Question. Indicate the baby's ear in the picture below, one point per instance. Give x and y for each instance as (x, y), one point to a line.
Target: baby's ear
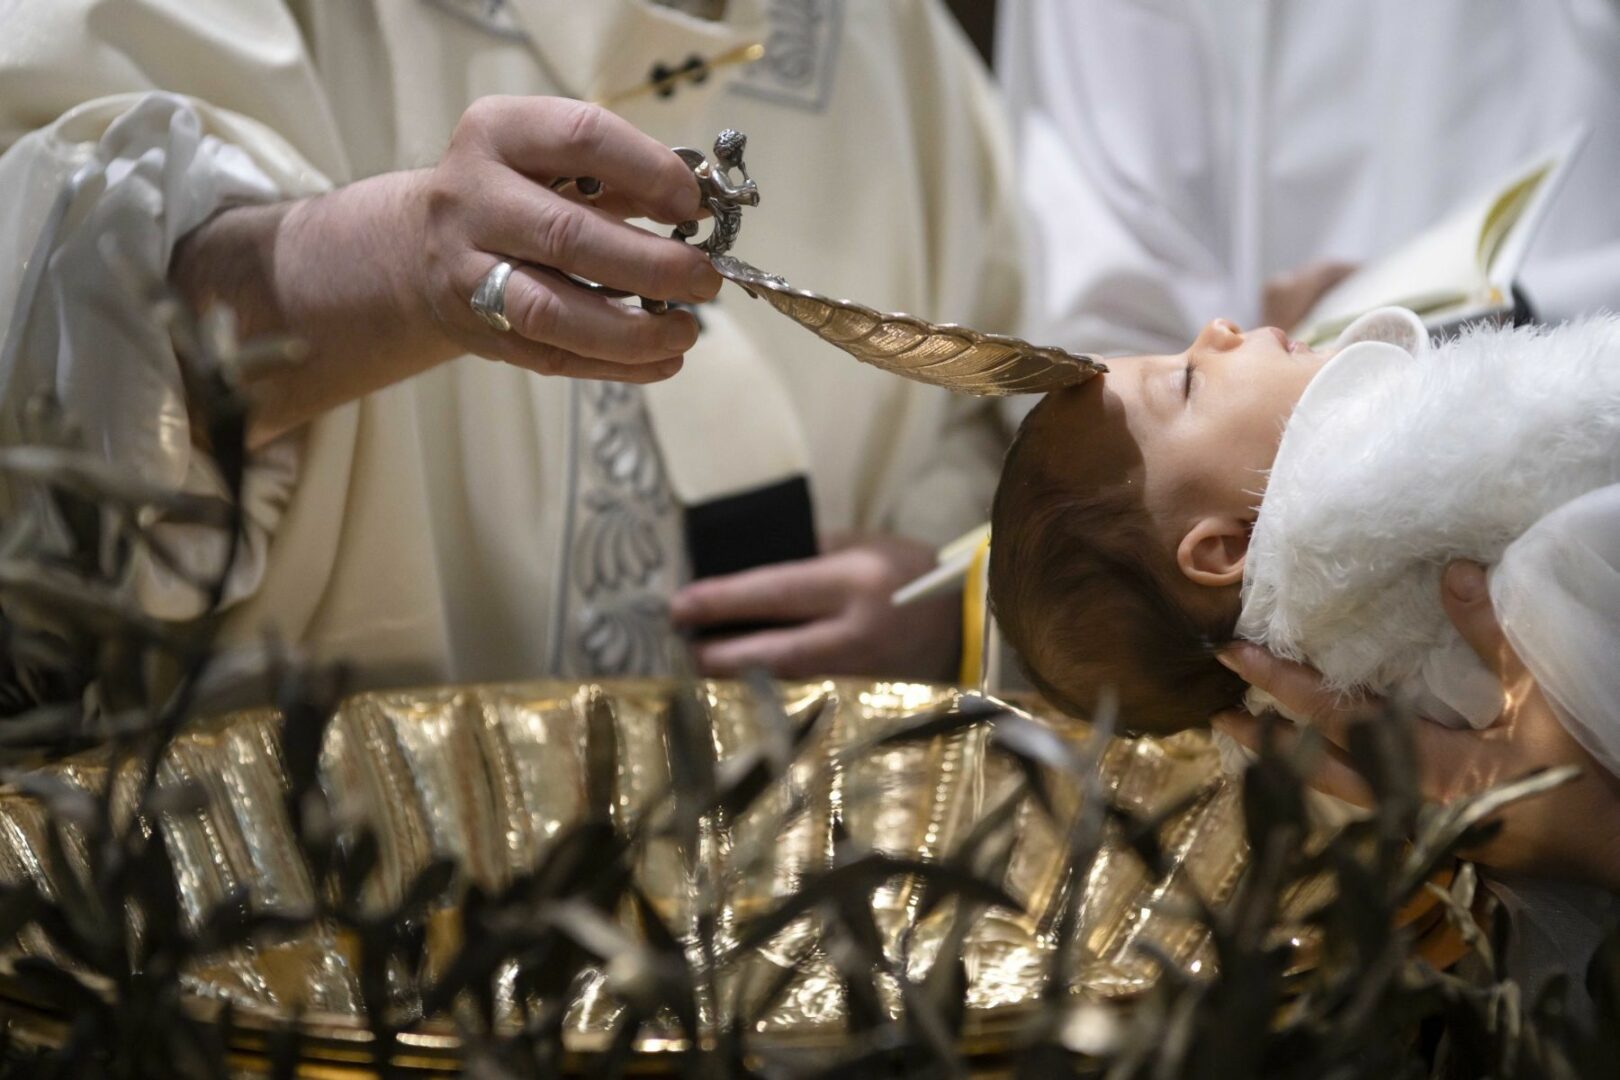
(1213, 551)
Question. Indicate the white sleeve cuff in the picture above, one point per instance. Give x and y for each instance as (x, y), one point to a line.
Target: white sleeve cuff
(141, 170)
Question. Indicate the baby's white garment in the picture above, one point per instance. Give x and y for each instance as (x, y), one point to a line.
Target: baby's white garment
(1502, 446)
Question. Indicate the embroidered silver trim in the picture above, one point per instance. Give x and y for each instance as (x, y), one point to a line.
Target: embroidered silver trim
(491, 16)
(626, 549)
(801, 52)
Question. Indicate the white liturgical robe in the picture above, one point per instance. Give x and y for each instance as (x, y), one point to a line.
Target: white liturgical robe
(1178, 153)
(466, 524)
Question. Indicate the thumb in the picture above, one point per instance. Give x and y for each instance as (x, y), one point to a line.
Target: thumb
(1466, 597)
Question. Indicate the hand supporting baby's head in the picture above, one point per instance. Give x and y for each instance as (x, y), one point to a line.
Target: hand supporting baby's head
(1122, 519)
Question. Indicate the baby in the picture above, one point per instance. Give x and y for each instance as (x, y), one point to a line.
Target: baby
(1252, 488)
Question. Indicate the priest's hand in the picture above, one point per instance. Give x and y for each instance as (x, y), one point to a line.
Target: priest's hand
(836, 614)
(1570, 831)
(491, 198)
(377, 277)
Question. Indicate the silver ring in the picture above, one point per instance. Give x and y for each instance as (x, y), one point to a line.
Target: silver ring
(489, 299)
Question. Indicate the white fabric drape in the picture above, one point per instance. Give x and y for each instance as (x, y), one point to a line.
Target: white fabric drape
(421, 537)
(162, 166)
(1502, 446)
(1557, 593)
(1178, 154)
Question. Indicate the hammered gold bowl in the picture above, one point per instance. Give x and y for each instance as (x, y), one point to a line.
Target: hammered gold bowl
(489, 775)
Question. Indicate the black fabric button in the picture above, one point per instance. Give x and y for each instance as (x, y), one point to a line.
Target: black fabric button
(667, 78)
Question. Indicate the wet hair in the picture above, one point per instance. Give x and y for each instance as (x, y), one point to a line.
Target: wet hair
(1086, 593)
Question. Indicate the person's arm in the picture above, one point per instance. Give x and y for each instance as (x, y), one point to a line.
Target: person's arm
(1571, 831)
(376, 277)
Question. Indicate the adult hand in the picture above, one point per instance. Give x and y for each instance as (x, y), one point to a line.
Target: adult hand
(490, 198)
(1288, 298)
(376, 277)
(1570, 831)
(839, 618)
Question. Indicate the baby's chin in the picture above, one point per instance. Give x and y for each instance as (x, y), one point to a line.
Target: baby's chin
(1315, 358)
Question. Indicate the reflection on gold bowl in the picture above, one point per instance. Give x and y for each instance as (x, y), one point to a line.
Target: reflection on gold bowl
(489, 775)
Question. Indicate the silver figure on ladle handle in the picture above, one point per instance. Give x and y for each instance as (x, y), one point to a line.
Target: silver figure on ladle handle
(723, 196)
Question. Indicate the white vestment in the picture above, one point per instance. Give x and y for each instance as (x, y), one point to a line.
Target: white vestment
(1178, 153)
(1501, 446)
(480, 522)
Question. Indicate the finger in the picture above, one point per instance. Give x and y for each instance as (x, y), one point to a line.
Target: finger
(1466, 596)
(609, 202)
(550, 137)
(785, 592)
(549, 360)
(545, 307)
(1330, 774)
(1454, 762)
(616, 203)
(527, 222)
(834, 542)
(794, 652)
(1297, 687)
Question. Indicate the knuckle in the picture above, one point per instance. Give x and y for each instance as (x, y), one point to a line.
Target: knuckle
(536, 312)
(557, 231)
(641, 338)
(1326, 710)
(637, 374)
(438, 199)
(867, 572)
(580, 126)
(675, 332)
(670, 271)
(479, 117)
(445, 302)
(547, 361)
(442, 203)
(540, 359)
(716, 658)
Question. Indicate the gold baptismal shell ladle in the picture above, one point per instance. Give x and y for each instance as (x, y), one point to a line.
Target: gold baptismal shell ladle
(957, 358)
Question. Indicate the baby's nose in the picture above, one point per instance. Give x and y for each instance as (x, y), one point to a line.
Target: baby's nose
(1220, 334)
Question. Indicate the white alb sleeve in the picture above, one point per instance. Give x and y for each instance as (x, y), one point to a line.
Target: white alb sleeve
(144, 170)
(1556, 593)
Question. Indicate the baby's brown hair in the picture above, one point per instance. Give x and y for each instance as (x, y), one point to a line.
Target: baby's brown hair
(1085, 591)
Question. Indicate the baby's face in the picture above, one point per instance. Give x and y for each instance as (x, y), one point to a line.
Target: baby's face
(1204, 424)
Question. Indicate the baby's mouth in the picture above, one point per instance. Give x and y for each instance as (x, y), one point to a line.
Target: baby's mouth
(1288, 343)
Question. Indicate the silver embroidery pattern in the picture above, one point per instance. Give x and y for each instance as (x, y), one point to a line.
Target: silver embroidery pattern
(489, 15)
(801, 51)
(626, 550)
